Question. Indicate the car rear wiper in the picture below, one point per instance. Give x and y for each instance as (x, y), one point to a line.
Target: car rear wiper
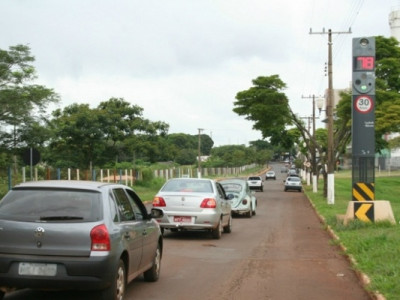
(60, 218)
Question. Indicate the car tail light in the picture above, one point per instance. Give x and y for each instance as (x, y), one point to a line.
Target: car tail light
(100, 238)
(158, 202)
(208, 203)
(244, 201)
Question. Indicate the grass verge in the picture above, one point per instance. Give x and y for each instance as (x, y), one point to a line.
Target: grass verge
(374, 246)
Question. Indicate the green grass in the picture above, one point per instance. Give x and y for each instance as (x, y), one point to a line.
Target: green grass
(374, 246)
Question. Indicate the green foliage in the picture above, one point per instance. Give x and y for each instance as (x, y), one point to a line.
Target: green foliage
(147, 174)
(233, 156)
(266, 105)
(22, 103)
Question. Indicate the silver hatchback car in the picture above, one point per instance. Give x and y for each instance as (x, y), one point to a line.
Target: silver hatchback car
(194, 204)
(79, 235)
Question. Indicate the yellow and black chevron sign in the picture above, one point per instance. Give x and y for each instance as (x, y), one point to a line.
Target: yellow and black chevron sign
(363, 191)
(364, 211)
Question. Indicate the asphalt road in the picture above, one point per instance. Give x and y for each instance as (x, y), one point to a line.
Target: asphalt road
(281, 253)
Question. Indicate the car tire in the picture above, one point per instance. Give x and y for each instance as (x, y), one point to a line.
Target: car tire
(217, 231)
(118, 285)
(153, 273)
(249, 214)
(228, 228)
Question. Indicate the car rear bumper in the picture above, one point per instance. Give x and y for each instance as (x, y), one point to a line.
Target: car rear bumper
(88, 273)
(295, 188)
(197, 222)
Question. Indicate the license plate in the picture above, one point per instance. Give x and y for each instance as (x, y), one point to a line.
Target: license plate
(37, 269)
(182, 219)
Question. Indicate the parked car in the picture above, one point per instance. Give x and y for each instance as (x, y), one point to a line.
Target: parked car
(243, 201)
(293, 183)
(81, 235)
(194, 204)
(270, 175)
(255, 183)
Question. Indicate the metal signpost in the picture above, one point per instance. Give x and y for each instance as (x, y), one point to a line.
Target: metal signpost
(363, 127)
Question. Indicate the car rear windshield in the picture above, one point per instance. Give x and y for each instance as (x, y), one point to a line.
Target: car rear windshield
(293, 179)
(196, 186)
(232, 187)
(254, 178)
(51, 205)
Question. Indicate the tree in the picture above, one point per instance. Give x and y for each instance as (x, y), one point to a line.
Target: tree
(20, 100)
(79, 138)
(266, 105)
(22, 103)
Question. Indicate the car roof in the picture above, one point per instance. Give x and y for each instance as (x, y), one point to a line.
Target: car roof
(238, 181)
(76, 184)
(191, 179)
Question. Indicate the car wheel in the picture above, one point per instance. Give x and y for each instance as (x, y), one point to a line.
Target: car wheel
(228, 228)
(153, 273)
(117, 289)
(217, 231)
(249, 214)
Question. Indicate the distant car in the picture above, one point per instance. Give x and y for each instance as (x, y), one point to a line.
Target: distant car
(84, 235)
(243, 201)
(293, 183)
(255, 183)
(270, 175)
(292, 172)
(194, 204)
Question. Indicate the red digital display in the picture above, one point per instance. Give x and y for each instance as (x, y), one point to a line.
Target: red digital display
(364, 63)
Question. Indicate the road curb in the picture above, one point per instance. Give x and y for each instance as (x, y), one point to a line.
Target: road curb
(364, 279)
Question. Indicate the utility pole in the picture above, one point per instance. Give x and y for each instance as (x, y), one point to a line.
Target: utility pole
(314, 146)
(329, 114)
(199, 156)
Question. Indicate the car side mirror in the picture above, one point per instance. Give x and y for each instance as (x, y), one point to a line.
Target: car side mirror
(156, 213)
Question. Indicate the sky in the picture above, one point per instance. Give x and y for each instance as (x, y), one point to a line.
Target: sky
(184, 61)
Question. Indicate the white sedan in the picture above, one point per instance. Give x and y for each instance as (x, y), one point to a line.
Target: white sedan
(194, 204)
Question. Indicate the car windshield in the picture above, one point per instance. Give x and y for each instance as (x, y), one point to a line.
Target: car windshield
(187, 185)
(51, 205)
(232, 187)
